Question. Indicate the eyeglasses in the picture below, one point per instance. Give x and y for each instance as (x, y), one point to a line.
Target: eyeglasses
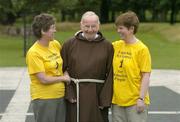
(89, 27)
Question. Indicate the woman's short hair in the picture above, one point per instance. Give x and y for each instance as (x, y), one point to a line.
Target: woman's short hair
(128, 19)
(42, 22)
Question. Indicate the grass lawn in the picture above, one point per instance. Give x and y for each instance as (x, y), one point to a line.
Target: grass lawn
(11, 51)
(162, 39)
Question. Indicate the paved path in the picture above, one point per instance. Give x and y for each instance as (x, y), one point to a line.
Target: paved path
(17, 79)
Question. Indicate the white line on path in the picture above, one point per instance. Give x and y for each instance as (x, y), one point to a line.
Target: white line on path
(164, 112)
(159, 112)
(18, 114)
(149, 112)
(168, 78)
(18, 106)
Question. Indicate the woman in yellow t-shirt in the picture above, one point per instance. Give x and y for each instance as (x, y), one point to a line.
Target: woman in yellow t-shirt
(45, 70)
(132, 68)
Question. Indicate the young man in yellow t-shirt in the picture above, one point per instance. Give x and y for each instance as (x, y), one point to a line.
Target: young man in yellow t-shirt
(132, 67)
(45, 70)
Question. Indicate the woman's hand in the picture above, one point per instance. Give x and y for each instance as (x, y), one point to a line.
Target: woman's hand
(66, 77)
(140, 106)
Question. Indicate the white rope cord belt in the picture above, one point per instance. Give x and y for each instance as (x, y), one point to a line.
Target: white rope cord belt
(77, 81)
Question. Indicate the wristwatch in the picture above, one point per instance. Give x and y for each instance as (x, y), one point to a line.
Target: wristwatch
(140, 98)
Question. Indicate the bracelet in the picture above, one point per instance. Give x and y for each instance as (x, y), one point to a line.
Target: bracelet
(140, 98)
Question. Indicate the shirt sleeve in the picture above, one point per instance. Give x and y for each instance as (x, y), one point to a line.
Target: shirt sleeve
(35, 63)
(145, 60)
(57, 44)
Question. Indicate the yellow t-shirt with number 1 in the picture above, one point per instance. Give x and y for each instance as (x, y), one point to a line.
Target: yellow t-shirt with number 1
(49, 61)
(128, 63)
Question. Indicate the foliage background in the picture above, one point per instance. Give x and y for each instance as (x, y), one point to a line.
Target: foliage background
(162, 39)
(159, 28)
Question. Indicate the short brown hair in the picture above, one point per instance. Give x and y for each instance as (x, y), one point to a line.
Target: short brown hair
(128, 19)
(42, 22)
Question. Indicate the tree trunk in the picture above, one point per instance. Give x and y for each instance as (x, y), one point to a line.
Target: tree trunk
(112, 16)
(104, 11)
(142, 15)
(63, 16)
(173, 5)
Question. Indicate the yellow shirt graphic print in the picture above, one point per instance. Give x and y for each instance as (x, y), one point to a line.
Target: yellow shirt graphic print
(123, 57)
(48, 60)
(128, 63)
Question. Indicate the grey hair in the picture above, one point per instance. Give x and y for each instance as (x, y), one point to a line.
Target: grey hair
(89, 13)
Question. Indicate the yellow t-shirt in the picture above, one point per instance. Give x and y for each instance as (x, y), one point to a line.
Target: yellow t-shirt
(49, 61)
(128, 62)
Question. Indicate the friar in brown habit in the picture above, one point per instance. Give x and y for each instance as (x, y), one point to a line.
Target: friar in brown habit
(88, 55)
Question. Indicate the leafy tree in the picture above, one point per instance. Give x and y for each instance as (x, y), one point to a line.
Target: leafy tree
(88, 5)
(7, 13)
(68, 8)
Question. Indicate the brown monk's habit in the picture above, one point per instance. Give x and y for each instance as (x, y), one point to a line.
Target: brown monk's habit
(85, 59)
